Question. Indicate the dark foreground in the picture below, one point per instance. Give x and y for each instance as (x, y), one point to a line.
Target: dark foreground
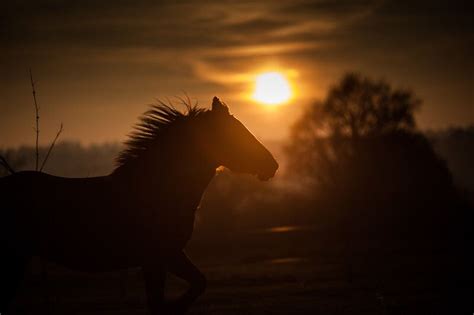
(279, 271)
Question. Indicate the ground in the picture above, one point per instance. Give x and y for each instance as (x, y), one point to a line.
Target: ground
(277, 271)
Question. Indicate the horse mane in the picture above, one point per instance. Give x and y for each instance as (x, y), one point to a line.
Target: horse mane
(152, 125)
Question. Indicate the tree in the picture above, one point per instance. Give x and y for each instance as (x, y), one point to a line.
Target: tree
(359, 106)
(377, 185)
(360, 144)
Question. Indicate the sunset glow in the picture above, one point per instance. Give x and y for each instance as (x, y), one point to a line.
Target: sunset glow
(272, 88)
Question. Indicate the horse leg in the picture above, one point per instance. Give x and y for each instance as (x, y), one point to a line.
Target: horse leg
(181, 266)
(12, 269)
(155, 276)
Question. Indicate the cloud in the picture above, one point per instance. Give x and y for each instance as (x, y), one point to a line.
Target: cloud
(164, 25)
(186, 34)
(165, 46)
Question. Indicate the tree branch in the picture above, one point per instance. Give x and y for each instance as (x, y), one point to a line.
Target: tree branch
(37, 118)
(4, 163)
(51, 147)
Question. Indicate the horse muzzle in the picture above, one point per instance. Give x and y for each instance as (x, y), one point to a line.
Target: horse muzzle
(268, 172)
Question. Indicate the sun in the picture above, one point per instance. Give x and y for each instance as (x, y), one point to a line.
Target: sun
(272, 88)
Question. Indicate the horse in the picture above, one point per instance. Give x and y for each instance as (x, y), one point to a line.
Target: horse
(140, 215)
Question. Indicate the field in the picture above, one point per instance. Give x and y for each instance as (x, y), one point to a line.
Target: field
(283, 270)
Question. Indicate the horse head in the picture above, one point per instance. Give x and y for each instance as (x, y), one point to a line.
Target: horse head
(232, 145)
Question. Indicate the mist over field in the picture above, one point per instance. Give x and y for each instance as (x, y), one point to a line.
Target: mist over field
(73, 159)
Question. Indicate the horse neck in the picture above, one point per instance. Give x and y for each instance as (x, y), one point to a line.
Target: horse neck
(183, 166)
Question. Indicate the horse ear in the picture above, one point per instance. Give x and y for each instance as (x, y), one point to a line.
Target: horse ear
(218, 106)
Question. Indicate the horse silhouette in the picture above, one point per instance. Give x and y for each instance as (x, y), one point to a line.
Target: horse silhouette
(142, 214)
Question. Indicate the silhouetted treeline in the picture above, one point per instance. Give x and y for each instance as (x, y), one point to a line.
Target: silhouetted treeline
(70, 159)
(456, 146)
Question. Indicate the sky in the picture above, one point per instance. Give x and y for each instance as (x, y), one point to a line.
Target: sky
(98, 64)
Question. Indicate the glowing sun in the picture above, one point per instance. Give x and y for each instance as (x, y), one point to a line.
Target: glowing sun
(271, 88)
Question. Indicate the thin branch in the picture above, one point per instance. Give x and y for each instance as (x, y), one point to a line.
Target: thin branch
(51, 147)
(4, 163)
(37, 118)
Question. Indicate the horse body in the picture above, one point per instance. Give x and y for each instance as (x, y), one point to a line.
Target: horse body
(140, 215)
(97, 224)
(69, 221)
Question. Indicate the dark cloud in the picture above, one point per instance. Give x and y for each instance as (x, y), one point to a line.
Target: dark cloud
(327, 9)
(166, 25)
(258, 25)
